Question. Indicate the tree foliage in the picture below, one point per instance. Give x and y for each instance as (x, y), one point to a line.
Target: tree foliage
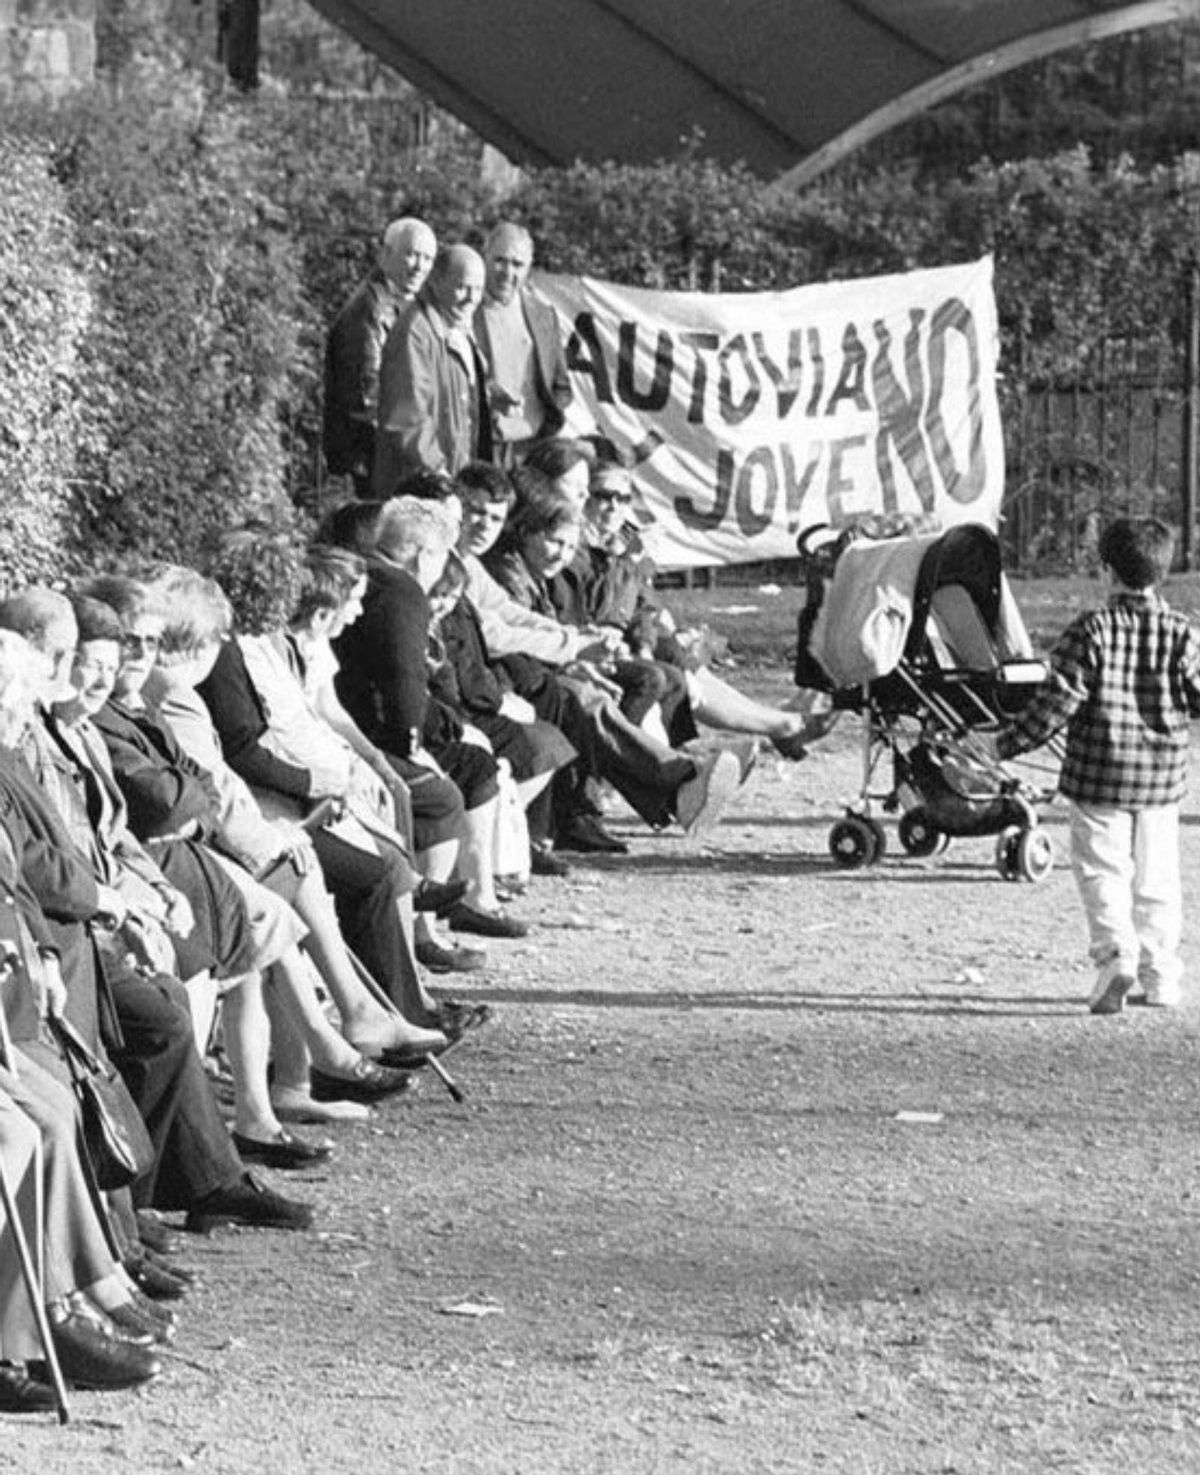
(45, 308)
(170, 256)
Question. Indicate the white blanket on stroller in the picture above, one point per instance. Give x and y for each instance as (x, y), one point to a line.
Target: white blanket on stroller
(862, 625)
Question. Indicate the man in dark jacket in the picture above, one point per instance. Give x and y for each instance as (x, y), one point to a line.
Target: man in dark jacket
(355, 347)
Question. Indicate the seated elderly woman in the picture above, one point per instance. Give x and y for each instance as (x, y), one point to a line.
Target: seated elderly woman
(251, 933)
(102, 1326)
(102, 1338)
(580, 567)
(65, 816)
(197, 620)
(168, 795)
(438, 815)
(261, 698)
(383, 682)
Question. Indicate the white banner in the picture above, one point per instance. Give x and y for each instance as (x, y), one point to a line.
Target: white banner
(755, 415)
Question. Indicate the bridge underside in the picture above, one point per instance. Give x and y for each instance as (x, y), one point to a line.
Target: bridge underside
(786, 86)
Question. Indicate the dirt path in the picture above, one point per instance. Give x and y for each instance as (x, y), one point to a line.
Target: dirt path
(701, 1237)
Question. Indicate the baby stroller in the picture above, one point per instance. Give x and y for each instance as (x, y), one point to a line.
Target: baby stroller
(921, 636)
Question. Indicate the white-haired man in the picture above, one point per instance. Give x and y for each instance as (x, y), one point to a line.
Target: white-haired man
(433, 408)
(355, 347)
(519, 338)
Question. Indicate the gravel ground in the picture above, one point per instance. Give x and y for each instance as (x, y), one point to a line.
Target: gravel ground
(764, 1166)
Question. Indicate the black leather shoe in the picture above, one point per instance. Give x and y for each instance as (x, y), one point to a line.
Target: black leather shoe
(285, 1152)
(21, 1394)
(437, 896)
(369, 1083)
(174, 1268)
(130, 1322)
(155, 1235)
(410, 1057)
(156, 1281)
(544, 862)
(454, 1018)
(439, 959)
(151, 1310)
(586, 834)
(466, 918)
(247, 1202)
(92, 1354)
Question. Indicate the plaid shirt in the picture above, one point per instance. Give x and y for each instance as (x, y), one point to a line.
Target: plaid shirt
(1124, 680)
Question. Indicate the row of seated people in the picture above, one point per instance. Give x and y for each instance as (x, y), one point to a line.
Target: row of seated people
(143, 877)
(545, 628)
(282, 815)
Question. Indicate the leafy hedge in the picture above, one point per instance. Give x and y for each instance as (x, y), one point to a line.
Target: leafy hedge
(174, 254)
(44, 311)
(192, 357)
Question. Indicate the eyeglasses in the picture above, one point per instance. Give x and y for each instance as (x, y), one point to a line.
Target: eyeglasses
(89, 666)
(133, 641)
(622, 498)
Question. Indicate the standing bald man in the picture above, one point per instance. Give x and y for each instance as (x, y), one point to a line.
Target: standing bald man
(433, 409)
(519, 338)
(356, 342)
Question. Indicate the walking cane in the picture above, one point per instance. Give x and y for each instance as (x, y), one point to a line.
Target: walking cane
(431, 1060)
(28, 1270)
(316, 820)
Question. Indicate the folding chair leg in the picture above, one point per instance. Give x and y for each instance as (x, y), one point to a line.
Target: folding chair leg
(30, 1277)
(374, 989)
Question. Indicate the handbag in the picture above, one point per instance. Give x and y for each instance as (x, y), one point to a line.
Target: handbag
(115, 1138)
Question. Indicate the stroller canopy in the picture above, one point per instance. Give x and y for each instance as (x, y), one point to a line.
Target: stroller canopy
(894, 598)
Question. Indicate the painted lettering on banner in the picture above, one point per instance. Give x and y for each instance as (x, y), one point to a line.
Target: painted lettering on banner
(755, 415)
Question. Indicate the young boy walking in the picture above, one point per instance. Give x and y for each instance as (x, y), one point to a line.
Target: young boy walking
(1124, 681)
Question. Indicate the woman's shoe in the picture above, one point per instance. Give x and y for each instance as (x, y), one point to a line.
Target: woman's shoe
(467, 918)
(131, 1322)
(439, 959)
(284, 1152)
(156, 1282)
(21, 1394)
(292, 1104)
(367, 1083)
(544, 862)
(454, 1018)
(437, 896)
(154, 1234)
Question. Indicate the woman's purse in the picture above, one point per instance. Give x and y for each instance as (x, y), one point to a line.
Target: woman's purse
(114, 1134)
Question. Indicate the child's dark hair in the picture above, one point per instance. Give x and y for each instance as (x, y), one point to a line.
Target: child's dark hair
(1139, 550)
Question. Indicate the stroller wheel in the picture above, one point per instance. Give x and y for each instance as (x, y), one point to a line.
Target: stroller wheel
(1035, 855)
(855, 842)
(879, 839)
(1007, 842)
(919, 835)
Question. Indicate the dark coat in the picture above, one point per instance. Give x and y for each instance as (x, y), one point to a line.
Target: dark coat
(165, 791)
(237, 714)
(55, 886)
(384, 678)
(353, 353)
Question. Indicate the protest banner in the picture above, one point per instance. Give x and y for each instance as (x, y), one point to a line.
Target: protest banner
(752, 416)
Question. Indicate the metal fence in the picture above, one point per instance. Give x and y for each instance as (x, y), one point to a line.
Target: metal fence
(1117, 438)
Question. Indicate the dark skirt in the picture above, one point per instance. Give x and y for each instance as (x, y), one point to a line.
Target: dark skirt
(221, 940)
(437, 805)
(530, 747)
